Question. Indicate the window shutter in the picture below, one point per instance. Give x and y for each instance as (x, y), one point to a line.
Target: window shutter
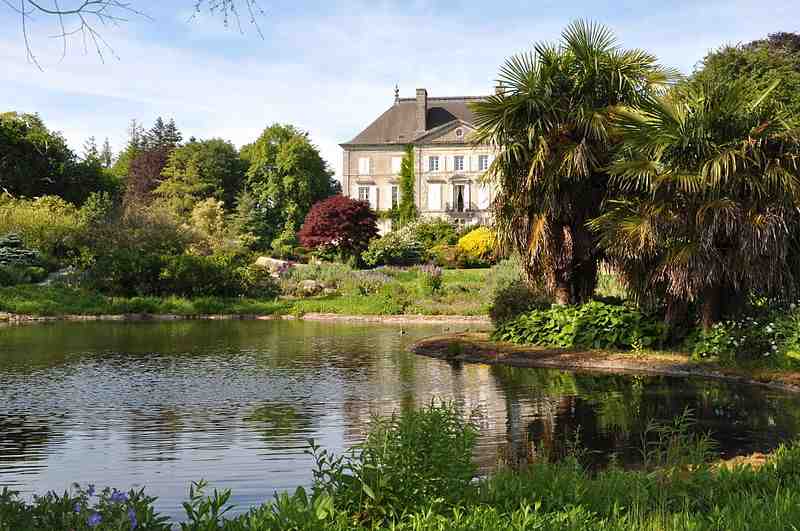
(373, 197)
(434, 196)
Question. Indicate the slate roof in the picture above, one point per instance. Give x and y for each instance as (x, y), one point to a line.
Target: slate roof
(398, 124)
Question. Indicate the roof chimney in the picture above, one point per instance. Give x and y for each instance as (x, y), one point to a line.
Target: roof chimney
(499, 89)
(422, 110)
(396, 94)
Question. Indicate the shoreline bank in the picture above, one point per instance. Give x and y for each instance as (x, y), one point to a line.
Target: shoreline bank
(476, 347)
(10, 318)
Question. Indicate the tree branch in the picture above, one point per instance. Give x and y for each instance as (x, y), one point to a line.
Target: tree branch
(84, 19)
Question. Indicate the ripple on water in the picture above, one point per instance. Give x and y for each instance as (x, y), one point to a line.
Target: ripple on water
(163, 404)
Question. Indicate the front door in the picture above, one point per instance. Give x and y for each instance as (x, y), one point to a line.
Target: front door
(458, 200)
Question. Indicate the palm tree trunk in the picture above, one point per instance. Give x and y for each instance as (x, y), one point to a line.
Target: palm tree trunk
(562, 294)
(711, 307)
(677, 314)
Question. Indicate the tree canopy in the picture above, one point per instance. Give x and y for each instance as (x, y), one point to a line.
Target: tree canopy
(760, 63)
(551, 126)
(286, 177)
(35, 161)
(200, 170)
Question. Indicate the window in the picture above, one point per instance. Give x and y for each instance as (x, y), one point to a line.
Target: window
(483, 162)
(396, 162)
(433, 163)
(458, 163)
(459, 133)
(363, 193)
(395, 196)
(363, 166)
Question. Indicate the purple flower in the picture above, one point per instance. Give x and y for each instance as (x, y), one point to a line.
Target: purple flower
(94, 520)
(118, 497)
(90, 490)
(77, 507)
(132, 518)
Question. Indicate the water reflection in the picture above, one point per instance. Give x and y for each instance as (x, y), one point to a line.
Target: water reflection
(162, 404)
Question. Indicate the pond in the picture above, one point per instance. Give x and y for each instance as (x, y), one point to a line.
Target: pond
(235, 402)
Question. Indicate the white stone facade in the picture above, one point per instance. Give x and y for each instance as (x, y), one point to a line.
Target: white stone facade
(448, 168)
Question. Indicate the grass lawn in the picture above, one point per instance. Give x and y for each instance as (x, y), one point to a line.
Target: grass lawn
(59, 300)
(463, 292)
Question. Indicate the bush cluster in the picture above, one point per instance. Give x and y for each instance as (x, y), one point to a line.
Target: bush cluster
(511, 294)
(399, 248)
(594, 325)
(768, 333)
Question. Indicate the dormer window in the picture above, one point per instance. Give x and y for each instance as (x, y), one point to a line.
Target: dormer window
(459, 133)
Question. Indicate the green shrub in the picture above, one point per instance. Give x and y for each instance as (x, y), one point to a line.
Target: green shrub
(48, 224)
(594, 324)
(432, 232)
(512, 300)
(444, 255)
(411, 460)
(128, 255)
(510, 293)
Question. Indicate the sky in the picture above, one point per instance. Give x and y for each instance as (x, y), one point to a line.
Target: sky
(328, 67)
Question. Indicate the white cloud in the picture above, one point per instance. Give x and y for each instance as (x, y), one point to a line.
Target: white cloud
(329, 75)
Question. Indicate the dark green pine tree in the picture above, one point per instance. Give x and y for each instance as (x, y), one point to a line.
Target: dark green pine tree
(90, 151)
(164, 135)
(106, 154)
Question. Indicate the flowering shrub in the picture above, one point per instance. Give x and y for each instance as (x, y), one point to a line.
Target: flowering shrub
(431, 278)
(594, 324)
(769, 337)
(82, 509)
(477, 247)
(398, 248)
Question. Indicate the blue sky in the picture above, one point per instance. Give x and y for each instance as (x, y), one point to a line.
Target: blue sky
(328, 67)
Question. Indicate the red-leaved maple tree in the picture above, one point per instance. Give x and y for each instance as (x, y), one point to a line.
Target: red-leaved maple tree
(341, 223)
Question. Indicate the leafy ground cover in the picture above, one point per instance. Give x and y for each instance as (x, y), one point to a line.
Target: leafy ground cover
(414, 472)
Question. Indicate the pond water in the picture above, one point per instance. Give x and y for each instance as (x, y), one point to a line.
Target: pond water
(234, 402)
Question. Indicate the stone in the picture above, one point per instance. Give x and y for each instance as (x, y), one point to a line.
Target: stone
(309, 287)
(273, 265)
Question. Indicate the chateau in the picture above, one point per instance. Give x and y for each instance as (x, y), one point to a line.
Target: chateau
(447, 166)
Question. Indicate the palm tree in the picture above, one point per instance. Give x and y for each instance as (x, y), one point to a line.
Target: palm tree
(708, 188)
(550, 126)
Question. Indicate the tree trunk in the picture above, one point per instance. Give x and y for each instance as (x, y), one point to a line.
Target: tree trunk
(676, 316)
(563, 273)
(711, 308)
(562, 294)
